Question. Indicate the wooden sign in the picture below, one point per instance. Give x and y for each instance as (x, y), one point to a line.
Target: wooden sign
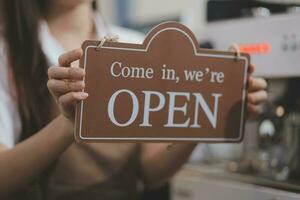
(164, 90)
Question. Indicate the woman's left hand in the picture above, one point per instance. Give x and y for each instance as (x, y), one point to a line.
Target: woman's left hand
(257, 93)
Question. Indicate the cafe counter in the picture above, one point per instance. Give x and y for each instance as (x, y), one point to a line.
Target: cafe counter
(208, 182)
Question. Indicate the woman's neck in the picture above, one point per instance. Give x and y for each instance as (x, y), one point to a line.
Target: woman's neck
(71, 26)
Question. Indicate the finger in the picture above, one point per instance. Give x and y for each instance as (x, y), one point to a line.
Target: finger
(66, 59)
(66, 73)
(257, 97)
(254, 110)
(71, 98)
(251, 69)
(256, 84)
(60, 86)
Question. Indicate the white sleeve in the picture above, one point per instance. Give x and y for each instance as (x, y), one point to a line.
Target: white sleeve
(10, 125)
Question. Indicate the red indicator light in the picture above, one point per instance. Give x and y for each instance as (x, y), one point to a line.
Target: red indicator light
(258, 48)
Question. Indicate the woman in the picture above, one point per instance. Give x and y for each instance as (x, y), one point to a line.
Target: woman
(36, 131)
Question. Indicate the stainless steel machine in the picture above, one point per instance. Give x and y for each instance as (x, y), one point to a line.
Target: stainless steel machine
(272, 41)
(270, 33)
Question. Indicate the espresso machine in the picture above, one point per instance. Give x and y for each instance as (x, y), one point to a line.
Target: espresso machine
(273, 150)
(270, 32)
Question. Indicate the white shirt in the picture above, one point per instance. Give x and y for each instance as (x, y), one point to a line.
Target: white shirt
(10, 122)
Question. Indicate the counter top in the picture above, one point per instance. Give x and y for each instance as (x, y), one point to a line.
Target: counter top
(198, 170)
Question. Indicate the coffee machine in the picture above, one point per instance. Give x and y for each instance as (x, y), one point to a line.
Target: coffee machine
(270, 33)
(272, 151)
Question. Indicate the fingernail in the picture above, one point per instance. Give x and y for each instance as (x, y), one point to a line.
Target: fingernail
(84, 94)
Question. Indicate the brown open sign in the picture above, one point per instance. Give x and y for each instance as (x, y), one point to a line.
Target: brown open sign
(165, 90)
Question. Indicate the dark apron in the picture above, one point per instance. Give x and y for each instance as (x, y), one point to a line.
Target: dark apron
(92, 172)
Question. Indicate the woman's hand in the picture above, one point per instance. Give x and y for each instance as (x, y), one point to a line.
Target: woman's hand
(256, 93)
(66, 83)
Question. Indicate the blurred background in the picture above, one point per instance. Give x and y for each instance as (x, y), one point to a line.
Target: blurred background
(266, 166)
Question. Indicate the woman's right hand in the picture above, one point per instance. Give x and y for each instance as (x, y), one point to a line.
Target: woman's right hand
(66, 83)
